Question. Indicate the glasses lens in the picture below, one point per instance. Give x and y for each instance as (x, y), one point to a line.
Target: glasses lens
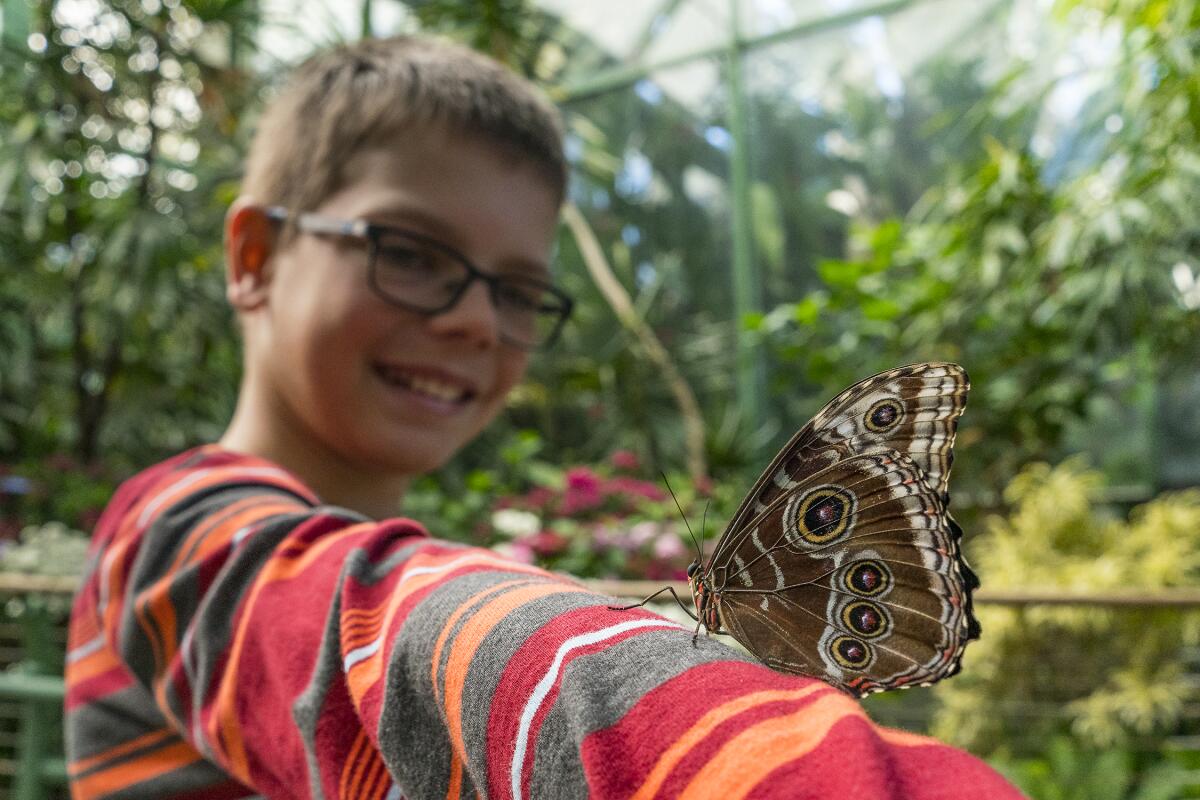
(423, 276)
(529, 310)
(415, 273)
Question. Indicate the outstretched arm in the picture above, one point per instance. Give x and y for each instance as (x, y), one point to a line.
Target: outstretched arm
(235, 638)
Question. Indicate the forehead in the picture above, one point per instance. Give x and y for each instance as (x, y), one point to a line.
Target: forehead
(458, 185)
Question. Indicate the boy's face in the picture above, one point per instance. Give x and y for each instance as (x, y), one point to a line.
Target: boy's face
(376, 386)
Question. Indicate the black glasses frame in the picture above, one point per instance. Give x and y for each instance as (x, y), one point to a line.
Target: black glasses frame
(371, 232)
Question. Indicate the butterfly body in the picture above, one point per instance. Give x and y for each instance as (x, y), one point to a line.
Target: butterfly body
(843, 561)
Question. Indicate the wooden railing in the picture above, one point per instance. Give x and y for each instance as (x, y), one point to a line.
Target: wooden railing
(1161, 598)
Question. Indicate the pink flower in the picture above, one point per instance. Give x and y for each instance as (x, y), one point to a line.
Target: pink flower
(668, 547)
(538, 498)
(547, 543)
(642, 533)
(516, 551)
(582, 479)
(583, 491)
(634, 489)
(626, 460)
(704, 486)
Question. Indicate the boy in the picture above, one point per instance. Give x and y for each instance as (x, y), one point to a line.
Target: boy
(246, 627)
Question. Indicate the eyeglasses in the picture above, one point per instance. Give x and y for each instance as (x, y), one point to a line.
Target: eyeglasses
(421, 274)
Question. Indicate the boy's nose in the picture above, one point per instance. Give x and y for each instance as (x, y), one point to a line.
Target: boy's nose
(473, 316)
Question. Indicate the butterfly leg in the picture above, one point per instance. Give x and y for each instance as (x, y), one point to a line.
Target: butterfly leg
(670, 589)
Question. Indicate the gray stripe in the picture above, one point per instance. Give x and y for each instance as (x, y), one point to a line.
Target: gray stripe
(599, 689)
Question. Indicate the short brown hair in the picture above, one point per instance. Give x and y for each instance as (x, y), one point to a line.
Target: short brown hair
(361, 95)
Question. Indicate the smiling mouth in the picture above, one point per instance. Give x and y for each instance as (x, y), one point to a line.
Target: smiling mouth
(425, 384)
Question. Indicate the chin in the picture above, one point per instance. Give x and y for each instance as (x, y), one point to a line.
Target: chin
(410, 462)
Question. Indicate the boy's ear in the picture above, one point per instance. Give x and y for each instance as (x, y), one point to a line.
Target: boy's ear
(249, 245)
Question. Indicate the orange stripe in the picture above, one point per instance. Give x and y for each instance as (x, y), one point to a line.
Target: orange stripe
(376, 782)
(743, 761)
(156, 603)
(146, 739)
(353, 766)
(361, 627)
(702, 727)
(189, 550)
(363, 675)
(146, 768)
(222, 727)
(102, 660)
(453, 619)
(176, 486)
(454, 789)
(906, 739)
(471, 635)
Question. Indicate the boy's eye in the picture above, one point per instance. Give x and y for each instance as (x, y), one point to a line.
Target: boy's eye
(411, 259)
(520, 296)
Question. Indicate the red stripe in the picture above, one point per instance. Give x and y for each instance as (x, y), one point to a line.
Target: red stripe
(527, 667)
(97, 687)
(663, 715)
(703, 752)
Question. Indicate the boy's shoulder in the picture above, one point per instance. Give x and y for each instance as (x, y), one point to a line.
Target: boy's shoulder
(139, 498)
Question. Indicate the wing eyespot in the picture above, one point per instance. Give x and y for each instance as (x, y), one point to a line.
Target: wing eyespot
(883, 415)
(866, 619)
(851, 653)
(868, 578)
(819, 517)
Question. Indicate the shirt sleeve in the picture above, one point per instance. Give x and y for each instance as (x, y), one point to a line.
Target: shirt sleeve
(234, 638)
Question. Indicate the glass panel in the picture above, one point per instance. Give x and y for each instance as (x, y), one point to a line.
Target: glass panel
(651, 178)
(849, 125)
(764, 17)
(627, 32)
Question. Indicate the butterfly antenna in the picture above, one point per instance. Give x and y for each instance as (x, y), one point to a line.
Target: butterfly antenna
(699, 552)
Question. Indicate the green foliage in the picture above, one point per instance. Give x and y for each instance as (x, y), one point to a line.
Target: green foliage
(126, 126)
(1056, 274)
(1115, 676)
(1067, 771)
(601, 521)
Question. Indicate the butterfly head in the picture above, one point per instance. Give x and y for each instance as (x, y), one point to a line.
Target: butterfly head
(706, 601)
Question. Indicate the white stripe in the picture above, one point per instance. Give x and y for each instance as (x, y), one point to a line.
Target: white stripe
(86, 649)
(762, 548)
(551, 677)
(152, 506)
(473, 558)
(241, 534)
(359, 653)
(162, 496)
(741, 565)
(394, 793)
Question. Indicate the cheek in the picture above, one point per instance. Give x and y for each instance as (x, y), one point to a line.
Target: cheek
(511, 369)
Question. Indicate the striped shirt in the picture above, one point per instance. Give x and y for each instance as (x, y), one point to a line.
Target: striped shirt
(234, 637)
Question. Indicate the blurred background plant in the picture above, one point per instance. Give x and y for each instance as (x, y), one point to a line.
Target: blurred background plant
(600, 521)
(1119, 680)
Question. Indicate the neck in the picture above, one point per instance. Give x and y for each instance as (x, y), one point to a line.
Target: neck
(274, 434)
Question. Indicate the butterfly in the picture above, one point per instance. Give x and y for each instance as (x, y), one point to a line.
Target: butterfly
(843, 562)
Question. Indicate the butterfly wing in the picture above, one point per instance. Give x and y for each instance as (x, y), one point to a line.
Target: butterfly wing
(788, 607)
(854, 577)
(913, 409)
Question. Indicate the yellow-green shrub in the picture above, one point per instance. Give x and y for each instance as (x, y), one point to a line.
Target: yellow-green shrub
(1104, 674)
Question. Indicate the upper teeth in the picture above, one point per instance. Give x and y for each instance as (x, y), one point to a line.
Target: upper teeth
(435, 388)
